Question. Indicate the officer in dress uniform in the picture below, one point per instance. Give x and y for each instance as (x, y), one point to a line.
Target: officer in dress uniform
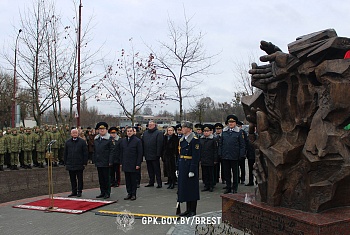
(188, 160)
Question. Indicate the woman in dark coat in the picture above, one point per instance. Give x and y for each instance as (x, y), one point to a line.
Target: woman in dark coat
(171, 150)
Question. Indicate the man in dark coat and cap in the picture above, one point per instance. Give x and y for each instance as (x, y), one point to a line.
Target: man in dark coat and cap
(217, 135)
(115, 168)
(231, 150)
(188, 160)
(209, 156)
(75, 158)
(104, 153)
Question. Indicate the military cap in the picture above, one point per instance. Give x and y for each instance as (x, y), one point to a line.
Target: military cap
(187, 124)
(218, 125)
(198, 126)
(239, 123)
(113, 129)
(178, 126)
(102, 125)
(207, 127)
(231, 118)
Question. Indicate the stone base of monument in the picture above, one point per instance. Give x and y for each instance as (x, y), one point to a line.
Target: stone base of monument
(242, 212)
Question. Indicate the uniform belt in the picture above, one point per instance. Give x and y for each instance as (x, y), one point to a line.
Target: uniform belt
(185, 157)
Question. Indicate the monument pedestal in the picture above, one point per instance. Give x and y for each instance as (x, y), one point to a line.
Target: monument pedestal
(244, 213)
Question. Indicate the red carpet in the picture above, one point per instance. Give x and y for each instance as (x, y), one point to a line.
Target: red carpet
(65, 205)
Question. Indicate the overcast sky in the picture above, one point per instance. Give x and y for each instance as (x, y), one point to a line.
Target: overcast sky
(233, 28)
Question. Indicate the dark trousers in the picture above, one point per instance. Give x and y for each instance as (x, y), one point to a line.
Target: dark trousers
(222, 171)
(242, 169)
(170, 168)
(103, 179)
(208, 176)
(21, 158)
(115, 174)
(74, 177)
(130, 183)
(231, 165)
(250, 168)
(153, 168)
(138, 176)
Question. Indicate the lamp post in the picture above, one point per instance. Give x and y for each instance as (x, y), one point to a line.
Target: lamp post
(79, 45)
(13, 113)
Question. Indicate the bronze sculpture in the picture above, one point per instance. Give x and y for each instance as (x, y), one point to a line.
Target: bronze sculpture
(300, 111)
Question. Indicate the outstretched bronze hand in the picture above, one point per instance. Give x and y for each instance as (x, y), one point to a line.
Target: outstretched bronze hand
(275, 70)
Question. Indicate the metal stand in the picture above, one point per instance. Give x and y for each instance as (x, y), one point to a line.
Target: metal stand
(50, 159)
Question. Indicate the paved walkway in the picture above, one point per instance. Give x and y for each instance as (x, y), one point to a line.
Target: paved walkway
(149, 200)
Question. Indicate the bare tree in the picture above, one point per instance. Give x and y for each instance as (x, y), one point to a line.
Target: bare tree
(241, 77)
(47, 60)
(183, 61)
(133, 83)
(6, 85)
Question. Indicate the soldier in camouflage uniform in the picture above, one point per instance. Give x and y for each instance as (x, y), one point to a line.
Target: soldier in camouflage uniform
(41, 142)
(14, 148)
(7, 155)
(28, 146)
(21, 133)
(35, 133)
(3, 150)
(62, 141)
(55, 135)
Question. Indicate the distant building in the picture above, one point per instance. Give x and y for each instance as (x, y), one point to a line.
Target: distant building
(144, 119)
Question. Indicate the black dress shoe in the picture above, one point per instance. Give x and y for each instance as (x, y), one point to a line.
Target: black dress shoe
(227, 191)
(190, 214)
(149, 185)
(159, 186)
(133, 198)
(72, 195)
(79, 195)
(116, 185)
(127, 198)
(250, 184)
(205, 189)
(169, 186)
(138, 186)
(172, 186)
(184, 213)
(211, 189)
(106, 196)
(100, 196)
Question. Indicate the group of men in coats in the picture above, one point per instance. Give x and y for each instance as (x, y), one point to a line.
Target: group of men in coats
(230, 148)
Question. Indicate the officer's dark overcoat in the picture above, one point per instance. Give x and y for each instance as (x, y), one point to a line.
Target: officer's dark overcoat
(188, 188)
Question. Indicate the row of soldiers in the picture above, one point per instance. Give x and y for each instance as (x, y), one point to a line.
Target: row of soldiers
(27, 146)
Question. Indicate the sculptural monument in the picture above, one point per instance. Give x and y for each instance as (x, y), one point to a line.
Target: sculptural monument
(300, 113)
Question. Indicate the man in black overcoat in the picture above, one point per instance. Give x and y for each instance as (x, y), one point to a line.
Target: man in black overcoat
(75, 158)
(152, 141)
(130, 158)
